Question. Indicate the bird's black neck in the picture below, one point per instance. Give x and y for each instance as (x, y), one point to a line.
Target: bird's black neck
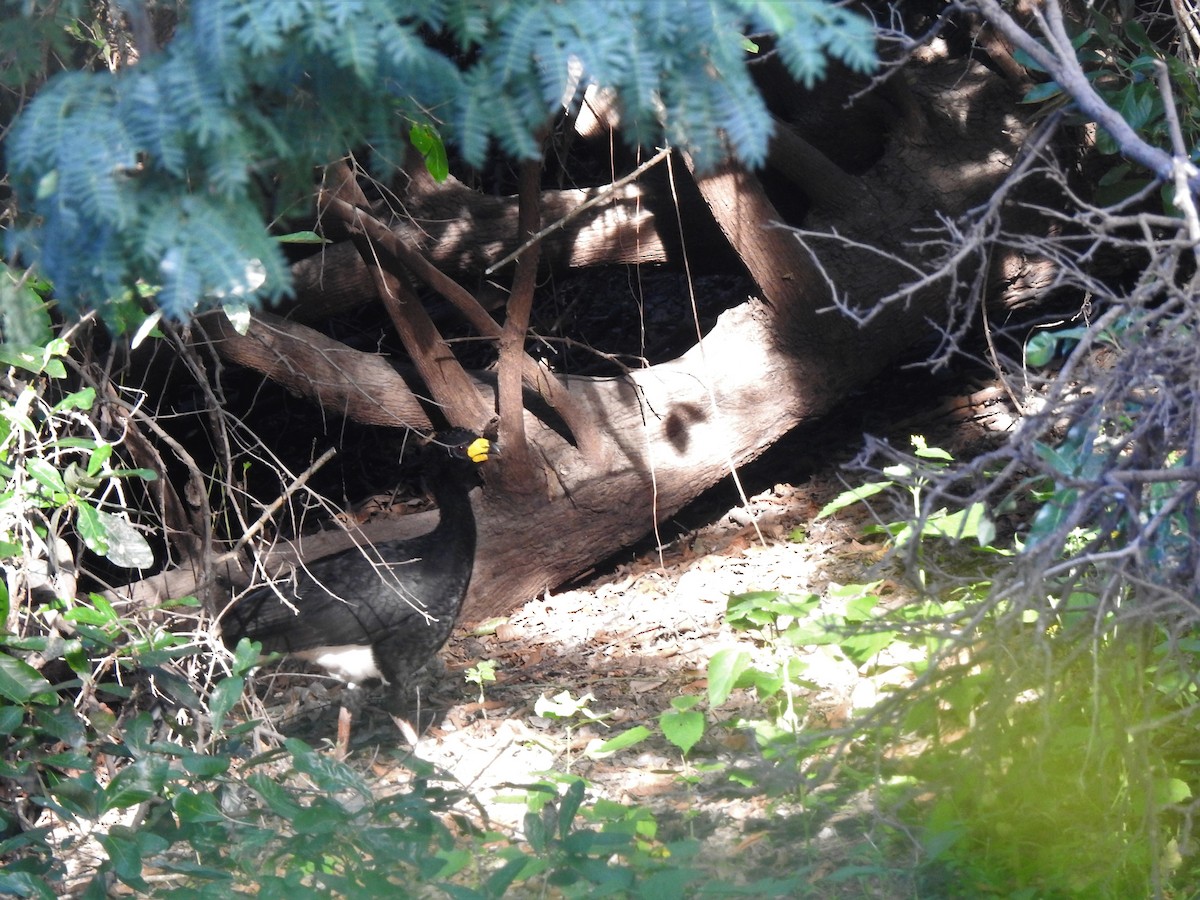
(450, 488)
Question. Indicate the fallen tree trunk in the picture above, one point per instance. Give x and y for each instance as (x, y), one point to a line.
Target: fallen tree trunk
(671, 430)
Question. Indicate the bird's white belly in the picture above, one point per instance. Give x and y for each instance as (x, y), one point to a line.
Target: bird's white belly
(352, 663)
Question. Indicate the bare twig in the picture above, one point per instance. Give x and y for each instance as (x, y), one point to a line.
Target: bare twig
(601, 196)
(268, 512)
(1183, 170)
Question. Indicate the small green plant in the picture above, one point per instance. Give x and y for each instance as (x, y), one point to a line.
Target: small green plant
(566, 708)
(577, 848)
(683, 724)
(970, 523)
(600, 851)
(781, 623)
(480, 674)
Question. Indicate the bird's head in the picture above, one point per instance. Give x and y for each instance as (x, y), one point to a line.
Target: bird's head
(461, 444)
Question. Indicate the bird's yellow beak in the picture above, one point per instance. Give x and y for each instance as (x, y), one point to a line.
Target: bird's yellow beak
(478, 450)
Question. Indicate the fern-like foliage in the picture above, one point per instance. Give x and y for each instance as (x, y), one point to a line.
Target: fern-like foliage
(165, 173)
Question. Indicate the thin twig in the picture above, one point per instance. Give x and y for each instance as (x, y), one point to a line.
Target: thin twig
(1183, 169)
(297, 484)
(603, 195)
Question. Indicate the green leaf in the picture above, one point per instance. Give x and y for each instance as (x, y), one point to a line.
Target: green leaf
(91, 527)
(569, 806)
(856, 592)
(683, 728)
(223, 698)
(923, 450)
(83, 399)
(277, 798)
(1171, 791)
(724, 669)
(26, 317)
(1024, 59)
(622, 741)
(860, 648)
(860, 607)
(849, 498)
(11, 718)
(46, 475)
(751, 609)
(204, 766)
(429, 144)
(99, 614)
(302, 237)
(27, 357)
(765, 684)
(126, 546)
(1052, 516)
(246, 656)
(498, 882)
(98, 458)
(137, 783)
(1040, 348)
(1135, 30)
(535, 831)
(123, 853)
(1040, 93)
(972, 522)
(191, 807)
(22, 683)
(144, 474)
(330, 775)
(759, 609)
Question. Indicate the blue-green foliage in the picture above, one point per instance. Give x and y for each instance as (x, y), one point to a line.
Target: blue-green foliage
(167, 171)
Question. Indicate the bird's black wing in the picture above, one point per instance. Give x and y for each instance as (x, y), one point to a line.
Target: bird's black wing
(341, 599)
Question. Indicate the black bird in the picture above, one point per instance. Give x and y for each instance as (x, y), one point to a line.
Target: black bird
(386, 612)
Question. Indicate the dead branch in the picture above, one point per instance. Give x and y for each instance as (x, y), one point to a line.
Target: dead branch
(602, 195)
(362, 386)
(447, 381)
(535, 377)
(519, 472)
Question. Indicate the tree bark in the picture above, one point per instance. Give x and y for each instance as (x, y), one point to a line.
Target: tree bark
(361, 386)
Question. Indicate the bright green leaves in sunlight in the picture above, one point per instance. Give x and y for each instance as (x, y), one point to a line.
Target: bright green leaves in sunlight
(972, 522)
(683, 724)
(429, 144)
(52, 461)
